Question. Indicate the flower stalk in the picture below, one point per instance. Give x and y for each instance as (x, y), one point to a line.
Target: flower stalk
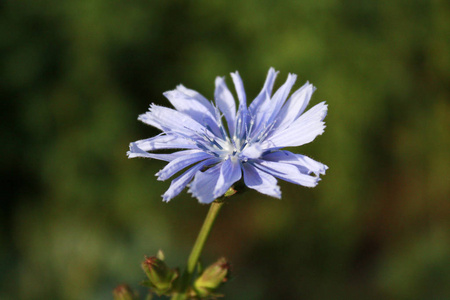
(197, 250)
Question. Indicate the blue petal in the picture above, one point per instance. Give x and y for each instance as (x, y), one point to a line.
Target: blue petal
(163, 142)
(304, 130)
(189, 105)
(286, 172)
(136, 151)
(198, 97)
(202, 187)
(230, 172)
(179, 183)
(299, 160)
(180, 163)
(280, 97)
(251, 152)
(260, 115)
(170, 120)
(147, 119)
(267, 89)
(268, 110)
(198, 108)
(225, 102)
(261, 181)
(237, 80)
(295, 106)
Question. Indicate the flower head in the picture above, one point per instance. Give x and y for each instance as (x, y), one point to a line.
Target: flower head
(223, 143)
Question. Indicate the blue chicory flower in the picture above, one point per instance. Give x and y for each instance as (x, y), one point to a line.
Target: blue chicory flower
(216, 156)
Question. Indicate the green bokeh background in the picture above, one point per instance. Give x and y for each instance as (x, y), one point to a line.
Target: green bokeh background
(77, 216)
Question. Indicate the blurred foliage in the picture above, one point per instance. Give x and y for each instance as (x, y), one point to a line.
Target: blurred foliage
(77, 217)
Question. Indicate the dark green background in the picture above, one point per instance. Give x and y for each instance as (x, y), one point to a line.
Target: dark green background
(77, 216)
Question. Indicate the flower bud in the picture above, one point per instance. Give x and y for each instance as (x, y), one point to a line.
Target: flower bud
(159, 274)
(212, 277)
(124, 292)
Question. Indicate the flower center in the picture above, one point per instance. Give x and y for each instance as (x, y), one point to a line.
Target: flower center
(229, 149)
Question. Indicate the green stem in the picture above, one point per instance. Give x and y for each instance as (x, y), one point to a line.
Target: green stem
(197, 249)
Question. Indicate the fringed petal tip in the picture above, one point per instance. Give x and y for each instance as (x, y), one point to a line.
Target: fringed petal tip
(165, 198)
(135, 151)
(158, 176)
(199, 199)
(325, 111)
(323, 170)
